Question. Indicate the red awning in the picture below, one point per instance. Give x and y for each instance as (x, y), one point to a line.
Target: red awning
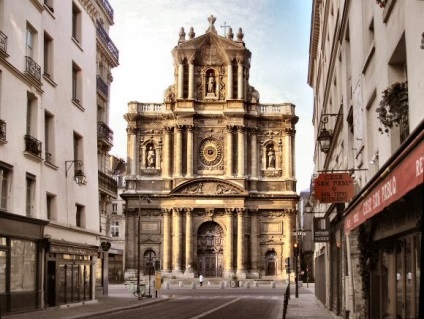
(397, 180)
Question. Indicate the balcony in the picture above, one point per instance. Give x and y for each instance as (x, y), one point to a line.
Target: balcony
(110, 46)
(3, 43)
(2, 131)
(102, 86)
(33, 68)
(32, 146)
(104, 133)
(108, 184)
(107, 7)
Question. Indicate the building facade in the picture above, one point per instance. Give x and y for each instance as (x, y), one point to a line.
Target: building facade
(50, 238)
(366, 71)
(211, 185)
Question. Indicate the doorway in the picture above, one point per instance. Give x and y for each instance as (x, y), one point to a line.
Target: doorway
(210, 250)
(271, 263)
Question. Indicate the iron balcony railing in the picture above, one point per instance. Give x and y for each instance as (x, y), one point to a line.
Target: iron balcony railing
(103, 131)
(102, 86)
(32, 145)
(33, 68)
(101, 32)
(3, 42)
(2, 130)
(107, 183)
(108, 8)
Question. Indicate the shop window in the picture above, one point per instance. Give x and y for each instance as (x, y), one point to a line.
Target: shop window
(99, 271)
(22, 265)
(2, 271)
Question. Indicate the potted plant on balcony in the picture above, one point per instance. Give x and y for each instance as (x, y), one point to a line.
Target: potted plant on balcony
(393, 109)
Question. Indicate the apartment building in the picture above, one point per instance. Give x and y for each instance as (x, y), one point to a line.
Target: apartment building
(53, 55)
(366, 69)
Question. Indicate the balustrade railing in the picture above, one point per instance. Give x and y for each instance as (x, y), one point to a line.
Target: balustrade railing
(108, 8)
(3, 42)
(2, 130)
(151, 107)
(107, 183)
(33, 68)
(103, 131)
(101, 32)
(102, 86)
(32, 145)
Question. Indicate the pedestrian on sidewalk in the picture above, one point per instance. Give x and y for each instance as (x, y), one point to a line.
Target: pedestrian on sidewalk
(201, 278)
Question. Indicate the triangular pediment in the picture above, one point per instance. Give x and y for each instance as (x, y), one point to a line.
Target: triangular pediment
(209, 187)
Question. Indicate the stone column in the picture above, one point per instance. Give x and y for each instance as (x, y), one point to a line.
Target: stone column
(228, 247)
(230, 81)
(287, 151)
(190, 151)
(166, 265)
(178, 150)
(240, 80)
(177, 241)
(254, 239)
(189, 241)
(180, 80)
(240, 151)
(132, 149)
(254, 153)
(241, 272)
(167, 153)
(264, 158)
(143, 157)
(229, 151)
(191, 80)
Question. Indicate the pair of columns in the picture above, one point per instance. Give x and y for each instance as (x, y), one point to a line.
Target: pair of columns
(172, 247)
(240, 81)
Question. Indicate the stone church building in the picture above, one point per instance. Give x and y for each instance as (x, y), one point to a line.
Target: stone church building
(211, 185)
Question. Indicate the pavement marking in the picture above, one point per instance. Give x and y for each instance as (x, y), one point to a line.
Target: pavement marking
(215, 309)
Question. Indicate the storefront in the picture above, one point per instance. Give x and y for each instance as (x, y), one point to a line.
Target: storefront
(21, 251)
(386, 217)
(69, 272)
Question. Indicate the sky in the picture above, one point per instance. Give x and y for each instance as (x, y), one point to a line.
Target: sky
(275, 31)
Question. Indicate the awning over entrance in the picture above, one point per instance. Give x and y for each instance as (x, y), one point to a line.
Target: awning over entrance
(397, 179)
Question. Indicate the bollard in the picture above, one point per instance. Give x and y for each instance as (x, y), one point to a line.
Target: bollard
(222, 284)
(166, 284)
(255, 284)
(247, 285)
(180, 284)
(193, 285)
(272, 285)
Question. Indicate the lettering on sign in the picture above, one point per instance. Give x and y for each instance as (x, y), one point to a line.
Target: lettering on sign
(334, 188)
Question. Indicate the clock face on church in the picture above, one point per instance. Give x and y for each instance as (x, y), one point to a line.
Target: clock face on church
(210, 152)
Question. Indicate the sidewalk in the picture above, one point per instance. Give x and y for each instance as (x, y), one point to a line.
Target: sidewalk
(307, 306)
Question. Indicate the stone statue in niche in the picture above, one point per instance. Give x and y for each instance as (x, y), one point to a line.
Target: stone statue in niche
(271, 158)
(151, 157)
(210, 83)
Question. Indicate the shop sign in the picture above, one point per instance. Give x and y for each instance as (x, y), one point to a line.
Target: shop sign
(334, 188)
(72, 250)
(398, 181)
(321, 229)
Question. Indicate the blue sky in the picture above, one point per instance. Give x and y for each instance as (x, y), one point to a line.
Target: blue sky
(275, 31)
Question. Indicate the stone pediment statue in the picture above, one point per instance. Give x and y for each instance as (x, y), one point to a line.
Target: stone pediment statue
(209, 187)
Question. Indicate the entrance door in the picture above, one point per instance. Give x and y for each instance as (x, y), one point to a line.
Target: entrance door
(51, 283)
(210, 250)
(271, 263)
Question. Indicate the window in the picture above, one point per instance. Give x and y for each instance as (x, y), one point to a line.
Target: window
(114, 208)
(48, 56)
(51, 206)
(30, 190)
(79, 216)
(30, 35)
(76, 23)
(77, 147)
(76, 83)
(48, 136)
(23, 265)
(5, 176)
(114, 229)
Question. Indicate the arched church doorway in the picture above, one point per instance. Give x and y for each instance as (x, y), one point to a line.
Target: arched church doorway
(271, 263)
(149, 258)
(210, 243)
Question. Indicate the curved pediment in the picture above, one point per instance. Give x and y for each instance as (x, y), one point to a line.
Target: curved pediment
(208, 187)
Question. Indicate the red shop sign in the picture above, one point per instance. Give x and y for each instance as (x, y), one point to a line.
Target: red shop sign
(407, 175)
(333, 188)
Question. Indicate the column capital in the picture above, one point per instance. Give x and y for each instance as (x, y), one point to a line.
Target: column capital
(132, 129)
(240, 211)
(240, 128)
(178, 211)
(166, 211)
(179, 127)
(229, 128)
(252, 130)
(190, 128)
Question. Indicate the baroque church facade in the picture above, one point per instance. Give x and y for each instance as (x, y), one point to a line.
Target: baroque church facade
(211, 185)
